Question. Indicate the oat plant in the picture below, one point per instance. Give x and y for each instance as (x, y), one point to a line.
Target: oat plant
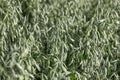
(59, 39)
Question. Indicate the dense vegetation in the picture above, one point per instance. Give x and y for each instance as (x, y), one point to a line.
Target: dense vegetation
(59, 39)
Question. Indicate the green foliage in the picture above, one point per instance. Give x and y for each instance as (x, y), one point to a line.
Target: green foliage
(59, 39)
